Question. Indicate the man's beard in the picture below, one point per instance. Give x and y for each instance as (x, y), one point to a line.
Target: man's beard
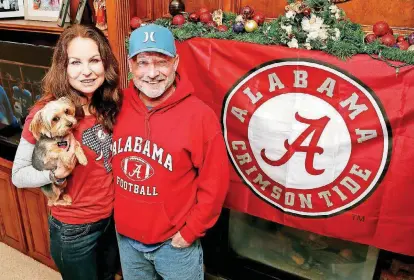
(150, 93)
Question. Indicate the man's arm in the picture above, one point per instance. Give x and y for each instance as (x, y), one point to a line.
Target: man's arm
(213, 183)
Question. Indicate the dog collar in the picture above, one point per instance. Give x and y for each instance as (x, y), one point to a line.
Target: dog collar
(62, 144)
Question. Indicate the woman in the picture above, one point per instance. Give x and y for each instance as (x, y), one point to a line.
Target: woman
(82, 240)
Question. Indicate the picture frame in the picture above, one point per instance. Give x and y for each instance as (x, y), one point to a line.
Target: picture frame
(63, 13)
(11, 9)
(79, 12)
(42, 10)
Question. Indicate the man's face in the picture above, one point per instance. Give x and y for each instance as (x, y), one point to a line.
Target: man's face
(153, 72)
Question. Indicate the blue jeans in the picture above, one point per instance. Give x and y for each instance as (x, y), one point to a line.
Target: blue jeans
(86, 251)
(166, 262)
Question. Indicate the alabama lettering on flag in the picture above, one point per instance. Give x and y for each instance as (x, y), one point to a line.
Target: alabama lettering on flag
(313, 142)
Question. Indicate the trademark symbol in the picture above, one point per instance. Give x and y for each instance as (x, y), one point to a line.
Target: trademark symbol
(358, 218)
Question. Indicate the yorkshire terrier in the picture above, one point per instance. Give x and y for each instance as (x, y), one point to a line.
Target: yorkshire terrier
(50, 126)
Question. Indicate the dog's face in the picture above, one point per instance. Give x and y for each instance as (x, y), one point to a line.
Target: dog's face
(56, 119)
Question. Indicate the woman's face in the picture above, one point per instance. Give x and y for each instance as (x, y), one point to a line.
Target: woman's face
(85, 69)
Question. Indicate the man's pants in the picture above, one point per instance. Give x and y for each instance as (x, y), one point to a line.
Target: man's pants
(166, 262)
(86, 251)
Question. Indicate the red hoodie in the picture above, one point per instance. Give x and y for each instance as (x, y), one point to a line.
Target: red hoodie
(170, 167)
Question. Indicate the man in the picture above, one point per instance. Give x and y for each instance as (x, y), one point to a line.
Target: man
(169, 162)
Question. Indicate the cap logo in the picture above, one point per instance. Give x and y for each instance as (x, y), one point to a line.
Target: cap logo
(149, 36)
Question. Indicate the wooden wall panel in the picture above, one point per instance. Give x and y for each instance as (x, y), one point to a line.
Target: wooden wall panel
(398, 13)
(193, 5)
(142, 9)
(161, 6)
(118, 14)
(270, 8)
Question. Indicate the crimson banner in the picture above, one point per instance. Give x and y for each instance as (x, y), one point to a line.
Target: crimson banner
(314, 142)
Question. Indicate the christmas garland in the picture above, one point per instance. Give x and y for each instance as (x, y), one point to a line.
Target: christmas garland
(311, 24)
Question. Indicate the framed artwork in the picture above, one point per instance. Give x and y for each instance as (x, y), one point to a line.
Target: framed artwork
(11, 8)
(22, 68)
(63, 13)
(43, 10)
(79, 12)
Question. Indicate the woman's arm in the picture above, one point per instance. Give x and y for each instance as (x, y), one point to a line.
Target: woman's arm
(24, 175)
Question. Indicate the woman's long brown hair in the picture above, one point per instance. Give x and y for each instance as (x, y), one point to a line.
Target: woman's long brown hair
(107, 100)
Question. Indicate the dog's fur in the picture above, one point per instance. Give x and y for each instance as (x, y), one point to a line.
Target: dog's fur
(49, 126)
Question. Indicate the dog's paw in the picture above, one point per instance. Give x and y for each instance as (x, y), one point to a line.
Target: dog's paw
(67, 198)
(82, 160)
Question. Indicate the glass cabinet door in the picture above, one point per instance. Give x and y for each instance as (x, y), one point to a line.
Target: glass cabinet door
(302, 253)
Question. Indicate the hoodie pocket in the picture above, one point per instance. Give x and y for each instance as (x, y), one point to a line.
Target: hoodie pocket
(144, 221)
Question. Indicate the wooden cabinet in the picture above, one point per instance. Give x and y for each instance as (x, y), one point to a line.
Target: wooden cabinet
(23, 218)
(10, 217)
(34, 211)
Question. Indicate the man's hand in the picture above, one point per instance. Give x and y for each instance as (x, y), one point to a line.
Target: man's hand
(178, 241)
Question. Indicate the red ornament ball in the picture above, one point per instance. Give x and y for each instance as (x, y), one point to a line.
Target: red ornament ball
(222, 28)
(247, 12)
(403, 45)
(307, 11)
(381, 28)
(205, 17)
(194, 17)
(211, 24)
(388, 40)
(178, 20)
(135, 22)
(370, 38)
(203, 10)
(400, 38)
(259, 18)
(390, 31)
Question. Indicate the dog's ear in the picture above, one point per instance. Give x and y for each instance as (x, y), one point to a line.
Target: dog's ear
(36, 125)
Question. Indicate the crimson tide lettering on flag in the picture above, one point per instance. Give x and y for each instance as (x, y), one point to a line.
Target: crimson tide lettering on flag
(314, 142)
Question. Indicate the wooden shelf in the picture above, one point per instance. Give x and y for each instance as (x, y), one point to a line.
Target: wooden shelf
(31, 26)
(34, 26)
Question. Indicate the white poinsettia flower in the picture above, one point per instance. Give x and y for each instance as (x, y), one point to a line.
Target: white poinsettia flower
(337, 34)
(307, 46)
(323, 34)
(334, 9)
(313, 23)
(313, 35)
(287, 28)
(293, 43)
(338, 15)
(290, 14)
(239, 18)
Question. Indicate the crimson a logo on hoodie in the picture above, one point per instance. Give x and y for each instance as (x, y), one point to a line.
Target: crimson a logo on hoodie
(137, 169)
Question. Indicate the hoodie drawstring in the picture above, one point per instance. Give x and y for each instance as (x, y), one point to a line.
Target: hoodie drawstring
(147, 127)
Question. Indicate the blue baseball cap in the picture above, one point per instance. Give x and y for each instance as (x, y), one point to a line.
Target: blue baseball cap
(152, 38)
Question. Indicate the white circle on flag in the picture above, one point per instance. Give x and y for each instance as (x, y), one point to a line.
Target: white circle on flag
(274, 122)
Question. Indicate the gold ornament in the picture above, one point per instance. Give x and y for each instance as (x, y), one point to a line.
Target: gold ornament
(250, 26)
(218, 17)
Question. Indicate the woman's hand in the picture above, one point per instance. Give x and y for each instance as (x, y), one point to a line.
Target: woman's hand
(61, 170)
